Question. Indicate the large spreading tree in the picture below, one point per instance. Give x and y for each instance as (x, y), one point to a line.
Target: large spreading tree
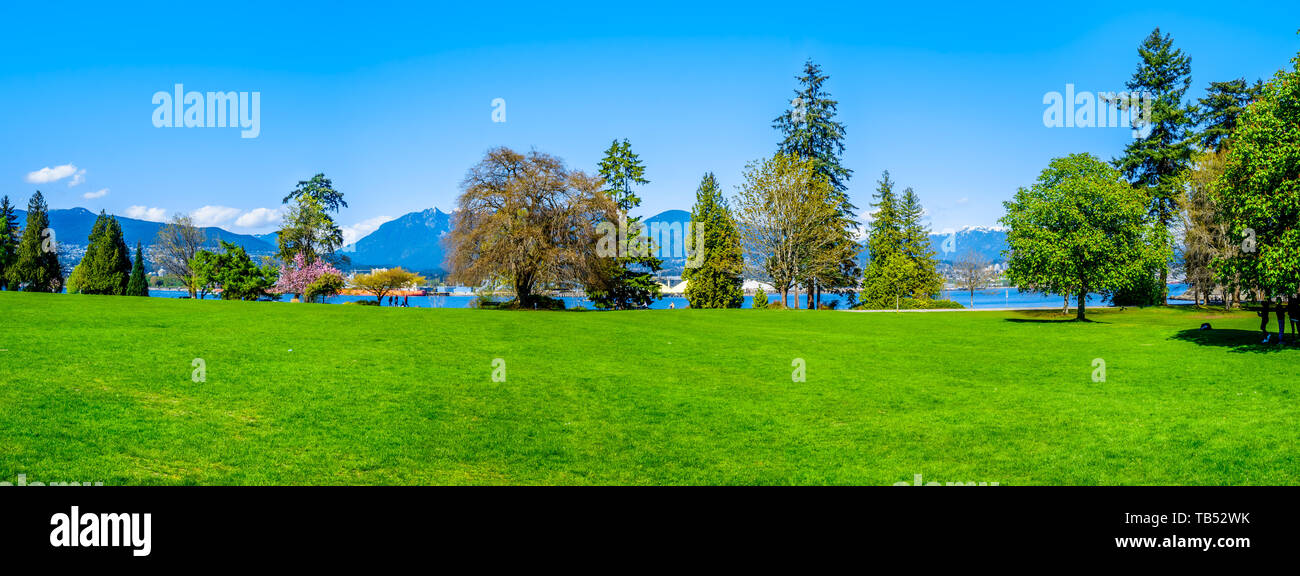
(1259, 191)
(785, 222)
(810, 132)
(716, 282)
(1155, 162)
(629, 276)
(527, 221)
(1080, 228)
(36, 262)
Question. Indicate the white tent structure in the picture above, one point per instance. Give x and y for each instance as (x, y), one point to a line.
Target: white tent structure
(678, 289)
(752, 285)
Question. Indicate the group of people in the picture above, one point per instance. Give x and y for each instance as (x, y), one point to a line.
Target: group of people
(1282, 308)
(399, 301)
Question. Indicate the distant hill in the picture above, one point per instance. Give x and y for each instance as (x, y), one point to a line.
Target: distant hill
(413, 241)
(983, 240)
(72, 231)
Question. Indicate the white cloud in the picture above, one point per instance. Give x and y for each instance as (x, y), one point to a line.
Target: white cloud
(359, 230)
(213, 215)
(258, 217)
(78, 178)
(146, 213)
(102, 192)
(46, 175)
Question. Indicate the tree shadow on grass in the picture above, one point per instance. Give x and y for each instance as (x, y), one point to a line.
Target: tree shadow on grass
(1048, 317)
(1237, 340)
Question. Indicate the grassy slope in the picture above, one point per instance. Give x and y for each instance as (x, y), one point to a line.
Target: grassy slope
(98, 389)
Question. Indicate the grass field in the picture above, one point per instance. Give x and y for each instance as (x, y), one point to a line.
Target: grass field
(96, 388)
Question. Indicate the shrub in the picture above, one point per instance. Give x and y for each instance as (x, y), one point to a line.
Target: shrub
(760, 299)
(775, 305)
(366, 302)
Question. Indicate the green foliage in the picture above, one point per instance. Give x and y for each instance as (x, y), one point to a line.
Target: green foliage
(324, 286)
(1259, 191)
(716, 282)
(902, 264)
(308, 227)
(810, 132)
(1156, 162)
(760, 299)
(35, 265)
(234, 272)
(1220, 109)
(204, 266)
(106, 266)
(1079, 229)
(930, 304)
(8, 240)
(137, 285)
(628, 279)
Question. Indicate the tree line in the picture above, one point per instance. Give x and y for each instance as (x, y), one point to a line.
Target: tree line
(1214, 182)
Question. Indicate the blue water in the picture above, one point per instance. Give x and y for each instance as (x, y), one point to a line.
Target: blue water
(996, 298)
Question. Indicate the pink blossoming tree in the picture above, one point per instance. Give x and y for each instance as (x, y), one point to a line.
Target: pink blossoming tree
(295, 279)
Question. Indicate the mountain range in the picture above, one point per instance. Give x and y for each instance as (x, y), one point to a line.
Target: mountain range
(414, 240)
(72, 226)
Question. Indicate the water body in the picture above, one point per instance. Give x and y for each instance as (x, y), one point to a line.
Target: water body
(985, 299)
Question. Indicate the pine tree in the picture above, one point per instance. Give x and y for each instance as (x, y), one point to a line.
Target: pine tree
(716, 283)
(36, 265)
(916, 247)
(810, 132)
(137, 285)
(884, 243)
(1157, 161)
(8, 240)
(630, 277)
(1223, 104)
(106, 267)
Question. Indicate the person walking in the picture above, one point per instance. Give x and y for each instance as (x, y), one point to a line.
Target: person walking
(1280, 311)
(1293, 310)
(1263, 313)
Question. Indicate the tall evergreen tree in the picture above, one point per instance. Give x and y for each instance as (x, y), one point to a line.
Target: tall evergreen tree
(716, 283)
(8, 240)
(137, 285)
(1156, 161)
(1223, 104)
(884, 246)
(106, 266)
(36, 265)
(630, 276)
(916, 247)
(810, 132)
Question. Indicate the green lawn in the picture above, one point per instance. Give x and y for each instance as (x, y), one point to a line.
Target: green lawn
(96, 388)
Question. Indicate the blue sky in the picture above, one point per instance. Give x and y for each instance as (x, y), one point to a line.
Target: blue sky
(394, 103)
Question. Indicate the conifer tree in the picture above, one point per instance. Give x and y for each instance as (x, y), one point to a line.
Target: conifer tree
(1156, 162)
(916, 247)
(630, 275)
(884, 241)
(36, 265)
(810, 132)
(8, 240)
(137, 285)
(716, 283)
(106, 267)
(1222, 106)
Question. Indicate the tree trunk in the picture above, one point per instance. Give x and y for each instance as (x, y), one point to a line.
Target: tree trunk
(796, 296)
(1083, 297)
(1164, 285)
(810, 288)
(1065, 308)
(972, 298)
